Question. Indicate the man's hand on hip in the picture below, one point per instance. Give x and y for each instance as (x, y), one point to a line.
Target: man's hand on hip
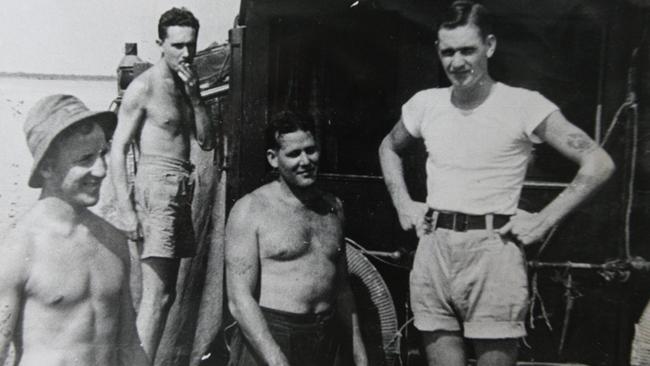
(411, 214)
(526, 227)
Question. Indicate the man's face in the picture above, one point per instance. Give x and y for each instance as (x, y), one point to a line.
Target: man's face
(464, 54)
(296, 159)
(179, 46)
(75, 171)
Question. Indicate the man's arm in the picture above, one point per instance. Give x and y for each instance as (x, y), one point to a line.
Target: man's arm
(242, 271)
(130, 348)
(596, 167)
(130, 118)
(410, 213)
(13, 274)
(346, 306)
(203, 127)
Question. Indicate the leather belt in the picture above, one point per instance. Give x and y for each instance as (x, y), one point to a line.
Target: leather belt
(462, 222)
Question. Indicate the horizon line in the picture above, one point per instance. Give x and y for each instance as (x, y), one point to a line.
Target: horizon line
(51, 76)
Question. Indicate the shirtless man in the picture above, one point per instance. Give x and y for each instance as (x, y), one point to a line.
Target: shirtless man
(286, 268)
(64, 272)
(161, 110)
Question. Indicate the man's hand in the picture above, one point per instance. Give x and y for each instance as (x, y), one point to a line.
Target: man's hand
(411, 215)
(203, 127)
(526, 227)
(190, 80)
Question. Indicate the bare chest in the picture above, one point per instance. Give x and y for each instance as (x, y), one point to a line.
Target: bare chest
(169, 110)
(74, 271)
(288, 235)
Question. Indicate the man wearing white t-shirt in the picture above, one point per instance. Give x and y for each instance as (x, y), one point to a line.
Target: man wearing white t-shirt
(469, 277)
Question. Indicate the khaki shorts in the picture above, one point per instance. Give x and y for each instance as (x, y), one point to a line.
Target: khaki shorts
(472, 281)
(163, 201)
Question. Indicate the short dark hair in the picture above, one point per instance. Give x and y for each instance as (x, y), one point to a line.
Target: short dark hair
(286, 122)
(176, 16)
(464, 12)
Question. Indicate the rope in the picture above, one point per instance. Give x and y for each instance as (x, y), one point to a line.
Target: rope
(399, 334)
(615, 120)
(537, 295)
(630, 189)
(546, 241)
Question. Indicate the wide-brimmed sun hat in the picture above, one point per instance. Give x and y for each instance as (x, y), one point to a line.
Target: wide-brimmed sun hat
(52, 115)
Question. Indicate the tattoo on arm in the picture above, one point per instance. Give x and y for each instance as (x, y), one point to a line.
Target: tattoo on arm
(580, 142)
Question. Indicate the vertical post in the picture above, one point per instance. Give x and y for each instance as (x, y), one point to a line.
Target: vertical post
(232, 125)
(598, 123)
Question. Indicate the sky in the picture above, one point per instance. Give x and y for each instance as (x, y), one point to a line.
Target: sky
(87, 36)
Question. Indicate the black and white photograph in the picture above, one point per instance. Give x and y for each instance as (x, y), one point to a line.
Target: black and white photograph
(325, 183)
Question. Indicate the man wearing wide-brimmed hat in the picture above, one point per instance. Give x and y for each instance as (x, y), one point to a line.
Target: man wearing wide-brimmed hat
(64, 286)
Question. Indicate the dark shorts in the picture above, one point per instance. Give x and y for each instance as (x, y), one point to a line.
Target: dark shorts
(163, 201)
(305, 339)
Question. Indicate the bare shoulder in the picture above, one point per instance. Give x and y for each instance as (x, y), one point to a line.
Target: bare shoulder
(145, 79)
(25, 227)
(252, 204)
(140, 89)
(265, 195)
(253, 209)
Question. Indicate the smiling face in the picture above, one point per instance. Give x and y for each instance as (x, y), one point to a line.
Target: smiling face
(296, 159)
(76, 166)
(464, 54)
(179, 46)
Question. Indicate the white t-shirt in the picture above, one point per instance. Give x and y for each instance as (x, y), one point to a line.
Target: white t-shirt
(477, 159)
